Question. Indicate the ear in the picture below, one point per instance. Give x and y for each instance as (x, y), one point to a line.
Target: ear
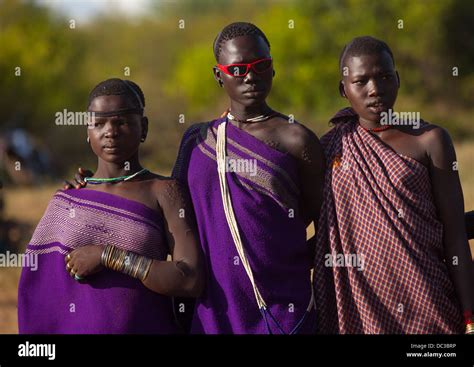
(398, 78)
(217, 76)
(342, 92)
(144, 123)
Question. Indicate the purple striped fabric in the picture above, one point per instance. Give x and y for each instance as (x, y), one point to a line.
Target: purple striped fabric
(379, 209)
(273, 234)
(50, 301)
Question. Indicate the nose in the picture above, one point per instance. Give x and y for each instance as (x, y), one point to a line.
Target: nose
(251, 76)
(111, 130)
(375, 88)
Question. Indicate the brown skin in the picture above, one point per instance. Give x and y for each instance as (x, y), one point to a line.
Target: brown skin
(184, 275)
(470, 224)
(277, 132)
(374, 78)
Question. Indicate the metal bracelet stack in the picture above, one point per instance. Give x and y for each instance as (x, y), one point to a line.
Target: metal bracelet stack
(126, 262)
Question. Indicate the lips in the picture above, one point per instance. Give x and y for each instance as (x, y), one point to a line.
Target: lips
(375, 103)
(254, 93)
(377, 107)
(254, 88)
(111, 148)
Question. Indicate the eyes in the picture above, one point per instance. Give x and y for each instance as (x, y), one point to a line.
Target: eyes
(101, 123)
(363, 81)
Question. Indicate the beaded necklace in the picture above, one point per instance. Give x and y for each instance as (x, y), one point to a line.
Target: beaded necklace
(253, 119)
(97, 181)
(376, 129)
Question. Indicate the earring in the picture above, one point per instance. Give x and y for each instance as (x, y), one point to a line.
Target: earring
(273, 72)
(142, 139)
(221, 83)
(88, 140)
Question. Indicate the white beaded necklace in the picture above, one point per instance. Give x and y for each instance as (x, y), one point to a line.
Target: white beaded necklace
(252, 119)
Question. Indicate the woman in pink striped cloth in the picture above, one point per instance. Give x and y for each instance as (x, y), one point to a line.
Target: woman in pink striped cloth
(391, 234)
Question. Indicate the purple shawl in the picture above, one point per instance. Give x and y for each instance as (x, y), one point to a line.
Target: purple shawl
(51, 301)
(265, 203)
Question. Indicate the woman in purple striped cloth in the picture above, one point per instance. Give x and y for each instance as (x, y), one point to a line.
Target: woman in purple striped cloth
(102, 251)
(255, 178)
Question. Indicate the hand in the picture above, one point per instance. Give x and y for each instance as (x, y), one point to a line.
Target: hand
(79, 179)
(84, 261)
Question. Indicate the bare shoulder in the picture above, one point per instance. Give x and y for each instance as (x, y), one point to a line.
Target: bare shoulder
(435, 138)
(169, 192)
(435, 133)
(437, 144)
(298, 139)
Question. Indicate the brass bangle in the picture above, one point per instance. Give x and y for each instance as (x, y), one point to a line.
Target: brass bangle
(105, 254)
(126, 262)
(146, 269)
(470, 328)
(110, 258)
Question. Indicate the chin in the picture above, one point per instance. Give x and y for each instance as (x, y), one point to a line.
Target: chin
(375, 118)
(252, 102)
(249, 102)
(113, 158)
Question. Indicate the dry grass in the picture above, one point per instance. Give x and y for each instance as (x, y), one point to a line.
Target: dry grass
(9, 278)
(465, 154)
(26, 205)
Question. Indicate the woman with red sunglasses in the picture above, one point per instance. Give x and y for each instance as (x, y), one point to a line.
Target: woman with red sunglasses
(255, 179)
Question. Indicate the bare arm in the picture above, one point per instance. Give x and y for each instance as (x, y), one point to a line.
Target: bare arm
(450, 204)
(307, 149)
(469, 216)
(184, 275)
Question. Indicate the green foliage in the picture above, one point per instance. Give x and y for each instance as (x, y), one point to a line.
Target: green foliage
(173, 65)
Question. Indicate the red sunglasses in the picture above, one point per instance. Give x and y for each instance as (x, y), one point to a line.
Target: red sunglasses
(241, 70)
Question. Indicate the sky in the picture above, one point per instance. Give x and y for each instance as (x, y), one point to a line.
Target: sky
(84, 10)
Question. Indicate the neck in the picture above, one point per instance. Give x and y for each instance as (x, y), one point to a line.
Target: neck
(367, 124)
(242, 112)
(111, 170)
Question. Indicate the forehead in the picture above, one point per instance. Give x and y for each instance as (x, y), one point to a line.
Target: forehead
(370, 63)
(244, 49)
(110, 103)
